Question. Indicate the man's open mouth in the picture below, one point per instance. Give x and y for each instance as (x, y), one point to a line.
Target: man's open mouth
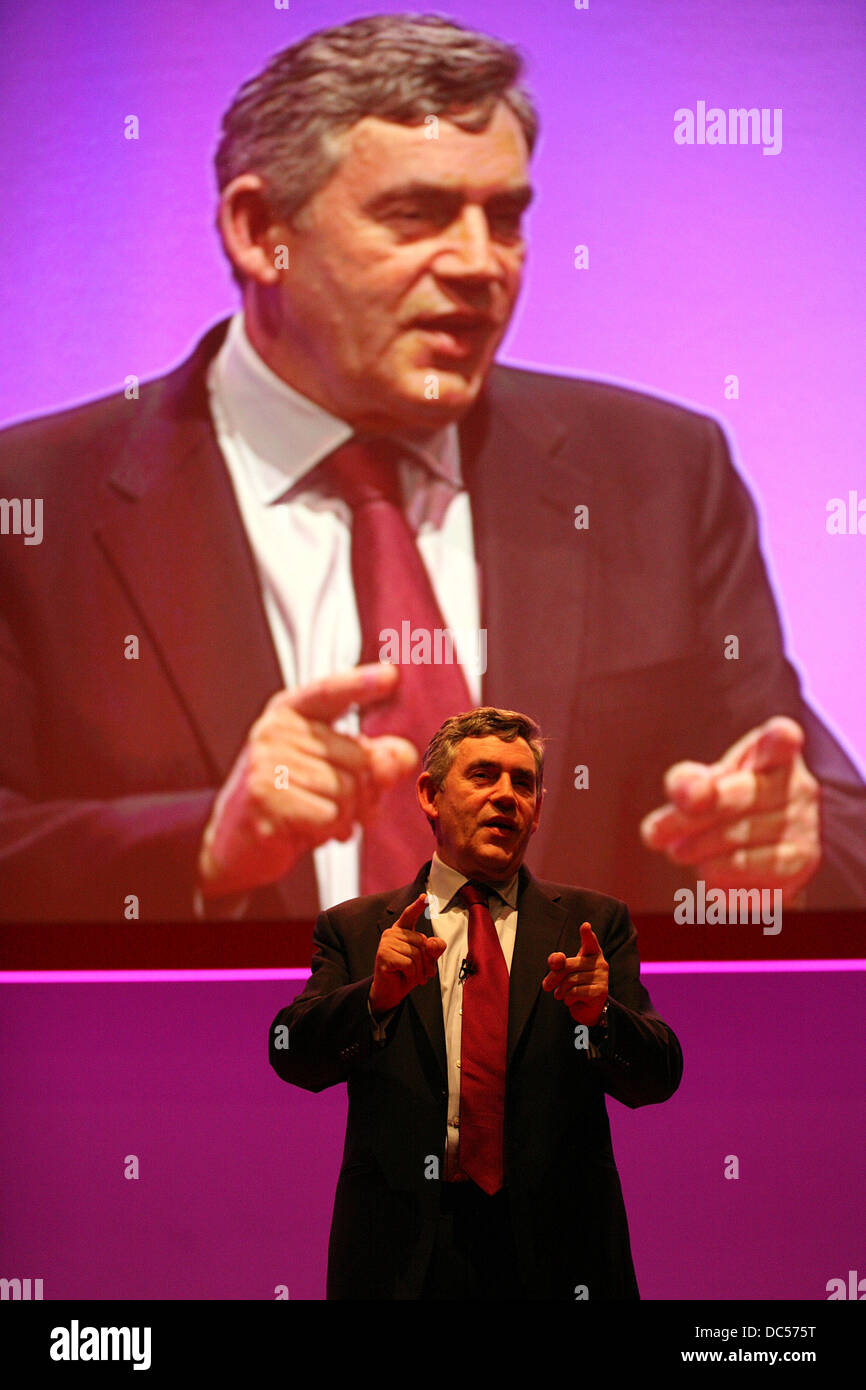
(455, 335)
(454, 323)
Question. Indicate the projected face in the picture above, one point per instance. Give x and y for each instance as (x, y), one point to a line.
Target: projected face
(486, 809)
(405, 269)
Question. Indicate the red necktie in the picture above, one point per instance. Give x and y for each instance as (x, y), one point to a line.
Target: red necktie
(483, 1047)
(391, 588)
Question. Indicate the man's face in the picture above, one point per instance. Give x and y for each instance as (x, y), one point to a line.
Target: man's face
(486, 809)
(403, 272)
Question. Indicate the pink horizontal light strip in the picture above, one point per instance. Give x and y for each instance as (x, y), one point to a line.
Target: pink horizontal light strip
(660, 967)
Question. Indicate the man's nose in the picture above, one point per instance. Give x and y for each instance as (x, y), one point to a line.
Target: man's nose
(504, 790)
(469, 251)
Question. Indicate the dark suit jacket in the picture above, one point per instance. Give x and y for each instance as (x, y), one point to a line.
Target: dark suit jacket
(569, 1218)
(612, 637)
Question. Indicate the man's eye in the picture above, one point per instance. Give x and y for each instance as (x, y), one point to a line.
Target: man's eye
(413, 218)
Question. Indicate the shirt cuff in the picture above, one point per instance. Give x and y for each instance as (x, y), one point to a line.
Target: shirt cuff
(380, 1025)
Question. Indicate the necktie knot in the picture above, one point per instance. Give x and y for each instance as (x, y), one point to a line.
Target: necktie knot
(475, 894)
(363, 471)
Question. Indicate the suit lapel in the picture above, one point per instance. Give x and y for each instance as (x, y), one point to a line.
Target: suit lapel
(425, 1000)
(174, 536)
(540, 920)
(534, 565)
(182, 555)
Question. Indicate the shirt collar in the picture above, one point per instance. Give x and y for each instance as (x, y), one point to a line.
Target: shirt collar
(285, 434)
(444, 883)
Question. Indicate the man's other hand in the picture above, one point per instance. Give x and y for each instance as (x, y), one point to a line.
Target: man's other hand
(405, 958)
(751, 820)
(580, 981)
(297, 783)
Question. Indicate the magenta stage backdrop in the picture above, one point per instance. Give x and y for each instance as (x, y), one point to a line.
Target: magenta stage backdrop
(705, 261)
(237, 1170)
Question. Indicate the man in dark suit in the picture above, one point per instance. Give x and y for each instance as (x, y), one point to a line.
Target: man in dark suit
(186, 725)
(478, 1017)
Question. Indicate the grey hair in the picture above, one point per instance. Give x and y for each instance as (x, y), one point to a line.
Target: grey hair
(506, 724)
(283, 124)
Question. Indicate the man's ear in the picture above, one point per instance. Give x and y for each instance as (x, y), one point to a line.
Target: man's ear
(250, 233)
(427, 793)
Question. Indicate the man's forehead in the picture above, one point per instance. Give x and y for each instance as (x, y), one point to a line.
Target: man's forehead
(378, 154)
(492, 749)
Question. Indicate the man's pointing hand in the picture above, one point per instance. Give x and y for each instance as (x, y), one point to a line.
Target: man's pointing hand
(405, 958)
(580, 981)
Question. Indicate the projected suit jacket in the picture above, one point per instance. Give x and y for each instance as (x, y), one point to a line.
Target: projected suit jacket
(565, 1197)
(612, 636)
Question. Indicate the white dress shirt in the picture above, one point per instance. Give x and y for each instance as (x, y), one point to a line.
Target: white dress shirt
(271, 438)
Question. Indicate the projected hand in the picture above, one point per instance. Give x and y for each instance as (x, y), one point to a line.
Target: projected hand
(751, 820)
(297, 782)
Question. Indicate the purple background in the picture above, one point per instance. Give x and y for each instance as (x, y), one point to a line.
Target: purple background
(703, 260)
(238, 1169)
